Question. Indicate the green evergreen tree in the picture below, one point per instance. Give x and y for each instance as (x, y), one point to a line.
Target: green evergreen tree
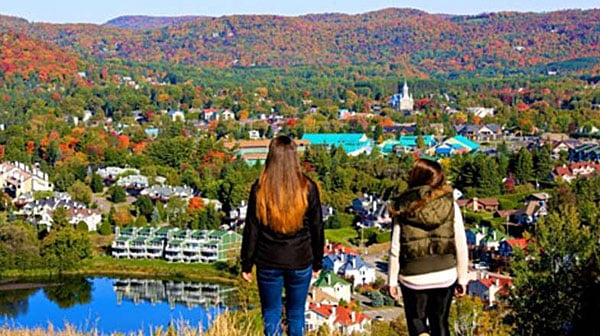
(523, 165)
(96, 183)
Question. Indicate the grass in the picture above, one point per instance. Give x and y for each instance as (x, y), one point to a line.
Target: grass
(143, 268)
(228, 324)
(342, 235)
(153, 268)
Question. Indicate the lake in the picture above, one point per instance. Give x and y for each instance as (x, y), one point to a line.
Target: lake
(114, 305)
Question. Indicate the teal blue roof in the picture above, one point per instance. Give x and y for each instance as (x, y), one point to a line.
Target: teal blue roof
(470, 144)
(349, 141)
(411, 140)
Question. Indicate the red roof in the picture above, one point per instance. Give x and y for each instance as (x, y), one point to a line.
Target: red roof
(342, 315)
(503, 281)
(334, 248)
(521, 242)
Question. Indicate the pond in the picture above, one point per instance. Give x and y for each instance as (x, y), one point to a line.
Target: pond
(110, 305)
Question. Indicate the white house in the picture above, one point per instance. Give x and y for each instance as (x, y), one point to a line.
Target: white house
(91, 217)
(17, 178)
(333, 285)
(336, 318)
(350, 266)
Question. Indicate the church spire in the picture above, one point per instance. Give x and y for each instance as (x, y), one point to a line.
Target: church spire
(405, 89)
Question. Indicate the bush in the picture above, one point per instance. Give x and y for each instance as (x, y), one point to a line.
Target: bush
(105, 229)
(82, 226)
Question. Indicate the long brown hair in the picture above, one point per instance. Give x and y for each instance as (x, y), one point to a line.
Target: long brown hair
(281, 197)
(425, 173)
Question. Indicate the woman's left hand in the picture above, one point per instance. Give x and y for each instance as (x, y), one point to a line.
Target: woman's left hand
(460, 290)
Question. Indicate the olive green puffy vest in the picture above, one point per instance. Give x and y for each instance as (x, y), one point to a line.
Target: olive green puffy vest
(426, 238)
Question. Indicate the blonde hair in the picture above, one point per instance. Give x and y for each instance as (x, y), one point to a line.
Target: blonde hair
(282, 193)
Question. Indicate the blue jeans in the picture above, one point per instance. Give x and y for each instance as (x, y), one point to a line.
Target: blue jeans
(270, 284)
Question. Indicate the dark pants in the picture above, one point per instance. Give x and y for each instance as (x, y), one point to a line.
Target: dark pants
(428, 305)
(270, 284)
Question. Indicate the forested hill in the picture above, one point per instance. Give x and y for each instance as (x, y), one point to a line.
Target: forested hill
(142, 22)
(426, 43)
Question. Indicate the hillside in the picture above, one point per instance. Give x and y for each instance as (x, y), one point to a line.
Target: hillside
(492, 43)
(33, 59)
(141, 22)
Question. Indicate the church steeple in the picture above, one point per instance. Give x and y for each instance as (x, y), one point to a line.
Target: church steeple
(405, 90)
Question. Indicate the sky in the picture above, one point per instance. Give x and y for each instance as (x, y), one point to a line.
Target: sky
(94, 11)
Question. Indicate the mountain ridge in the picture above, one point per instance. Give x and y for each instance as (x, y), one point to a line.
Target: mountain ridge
(427, 43)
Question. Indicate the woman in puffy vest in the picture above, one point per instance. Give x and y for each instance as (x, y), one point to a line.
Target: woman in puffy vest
(428, 254)
(283, 237)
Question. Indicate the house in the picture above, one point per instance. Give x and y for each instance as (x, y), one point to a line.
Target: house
(507, 246)
(253, 151)
(111, 174)
(572, 171)
(479, 204)
(372, 210)
(352, 143)
(253, 135)
(335, 248)
(227, 115)
(337, 318)
(177, 115)
(455, 145)
(585, 152)
(91, 217)
(488, 286)
(164, 193)
(357, 270)
(133, 183)
(533, 210)
(480, 132)
(210, 114)
(316, 295)
(17, 178)
(401, 129)
(333, 285)
(175, 245)
(481, 112)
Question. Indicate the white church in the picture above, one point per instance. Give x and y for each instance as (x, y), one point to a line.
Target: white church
(403, 101)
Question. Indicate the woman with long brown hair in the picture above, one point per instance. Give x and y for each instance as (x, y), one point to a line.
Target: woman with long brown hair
(428, 254)
(283, 237)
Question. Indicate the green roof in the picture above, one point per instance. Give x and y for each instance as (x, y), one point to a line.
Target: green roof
(323, 282)
(162, 230)
(176, 242)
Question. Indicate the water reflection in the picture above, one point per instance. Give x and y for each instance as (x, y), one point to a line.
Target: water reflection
(69, 292)
(110, 305)
(190, 294)
(16, 302)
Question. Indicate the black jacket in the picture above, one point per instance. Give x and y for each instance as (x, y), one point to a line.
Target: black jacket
(265, 248)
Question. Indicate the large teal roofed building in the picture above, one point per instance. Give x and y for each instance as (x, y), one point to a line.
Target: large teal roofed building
(353, 143)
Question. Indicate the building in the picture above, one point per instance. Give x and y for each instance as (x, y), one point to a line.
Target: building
(402, 101)
(175, 245)
(480, 132)
(488, 286)
(508, 246)
(351, 267)
(40, 212)
(255, 151)
(336, 318)
(17, 178)
(455, 145)
(111, 174)
(164, 193)
(352, 143)
(479, 204)
(481, 112)
(333, 285)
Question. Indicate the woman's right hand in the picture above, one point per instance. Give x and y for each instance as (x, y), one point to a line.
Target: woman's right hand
(247, 276)
(394, 292)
